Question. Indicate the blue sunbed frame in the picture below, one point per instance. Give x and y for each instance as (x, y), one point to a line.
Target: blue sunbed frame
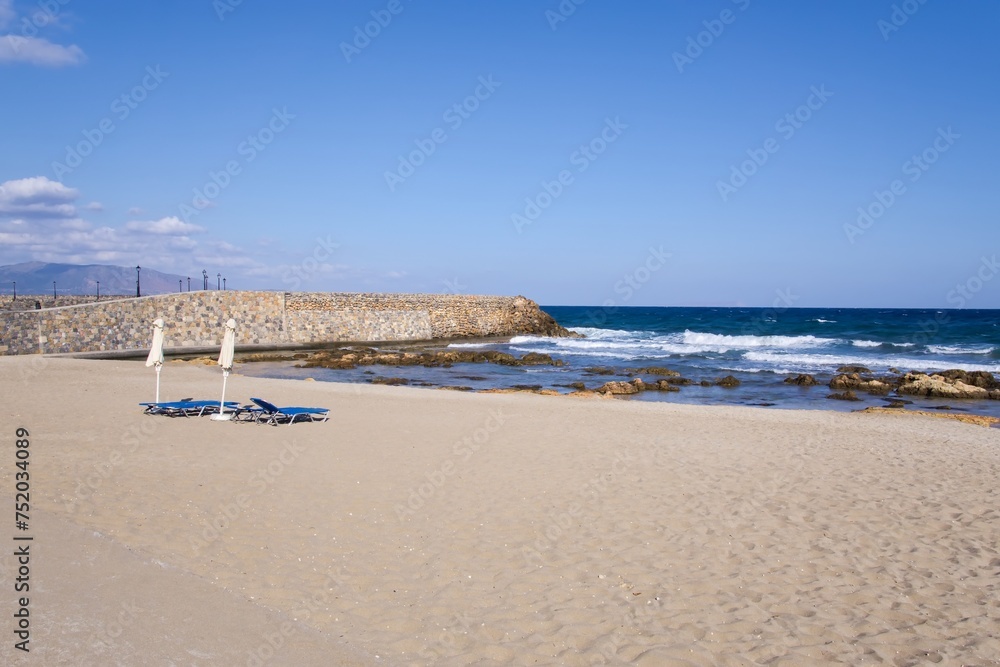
(187, 408)
(269, 413)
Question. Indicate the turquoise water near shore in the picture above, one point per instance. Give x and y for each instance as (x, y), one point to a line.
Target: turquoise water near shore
(758, 346)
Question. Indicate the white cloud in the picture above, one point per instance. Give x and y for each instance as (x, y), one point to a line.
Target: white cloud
(168, 226)
(227, 261)
(135, 210)
(76, 223)
(12, 239)
(182, 243)
(36, 188)
(39, 221)
(41, 210)
(28, 47)
(37, 197)
(42, 220)
(38, 51)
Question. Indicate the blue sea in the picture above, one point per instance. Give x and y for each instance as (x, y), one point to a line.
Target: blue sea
(759, 346)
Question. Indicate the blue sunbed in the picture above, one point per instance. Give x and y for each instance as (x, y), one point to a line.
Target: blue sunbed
(187, 408)
(269, 413)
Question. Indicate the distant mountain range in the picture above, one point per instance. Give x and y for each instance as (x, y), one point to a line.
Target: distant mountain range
(76, 279)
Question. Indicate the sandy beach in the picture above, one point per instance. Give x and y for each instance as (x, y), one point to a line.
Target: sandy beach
(430, 527)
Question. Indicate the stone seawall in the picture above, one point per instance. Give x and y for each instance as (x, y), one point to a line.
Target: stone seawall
(196, 319)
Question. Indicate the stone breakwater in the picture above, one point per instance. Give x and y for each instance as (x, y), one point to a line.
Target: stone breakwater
(196, 319)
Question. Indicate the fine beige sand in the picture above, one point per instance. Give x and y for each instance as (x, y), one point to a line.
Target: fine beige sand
(428, 527)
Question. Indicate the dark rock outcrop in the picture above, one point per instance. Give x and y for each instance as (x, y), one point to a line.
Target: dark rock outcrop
(879, 387)
(538, 359)
(802, 379)
(526, 317)
(981, 379)
(622, 388)
(921, 384)
(395, 382)
(267, 356)
(352, 357)
(848, 395)
(652, 370)
(729, 381)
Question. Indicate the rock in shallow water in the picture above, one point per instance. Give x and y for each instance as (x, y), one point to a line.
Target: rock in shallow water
(352, 357)
(920, 384)
(868, 384)
(729, 381)
(622, 388)
(652, 370)
(980, 379)
(389, 381)
(853, 369)
(663, 385)
(848, 395)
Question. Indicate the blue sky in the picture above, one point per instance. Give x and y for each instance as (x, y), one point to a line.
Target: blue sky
(642, 153)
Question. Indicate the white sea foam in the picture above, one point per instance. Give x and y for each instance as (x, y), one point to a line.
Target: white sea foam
(960, 349)
(874, 343)
(829, 361)
(752, 369)
(777, 353)
(620, 355)
(745, 342)
(530, 339)
(634, 344)
(594, 344)
(591, 332)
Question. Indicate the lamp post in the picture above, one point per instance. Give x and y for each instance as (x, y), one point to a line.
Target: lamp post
(218, 281)
(137, 267)
(53, 290)
(204, 279)
(189, 283)
(98, 290)
(15, 290)
(180, 285)
(223, 284)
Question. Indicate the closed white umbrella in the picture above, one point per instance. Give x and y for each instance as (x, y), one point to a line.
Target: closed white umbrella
(226, 361)
(155, 357)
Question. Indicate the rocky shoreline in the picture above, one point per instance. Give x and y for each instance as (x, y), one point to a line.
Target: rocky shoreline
(845, 384)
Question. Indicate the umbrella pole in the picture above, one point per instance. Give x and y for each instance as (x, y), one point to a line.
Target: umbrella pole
(158, 382)
(222, 416)
(222, 403)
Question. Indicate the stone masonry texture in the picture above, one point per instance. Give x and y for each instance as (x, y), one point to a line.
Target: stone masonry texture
(195, 319)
